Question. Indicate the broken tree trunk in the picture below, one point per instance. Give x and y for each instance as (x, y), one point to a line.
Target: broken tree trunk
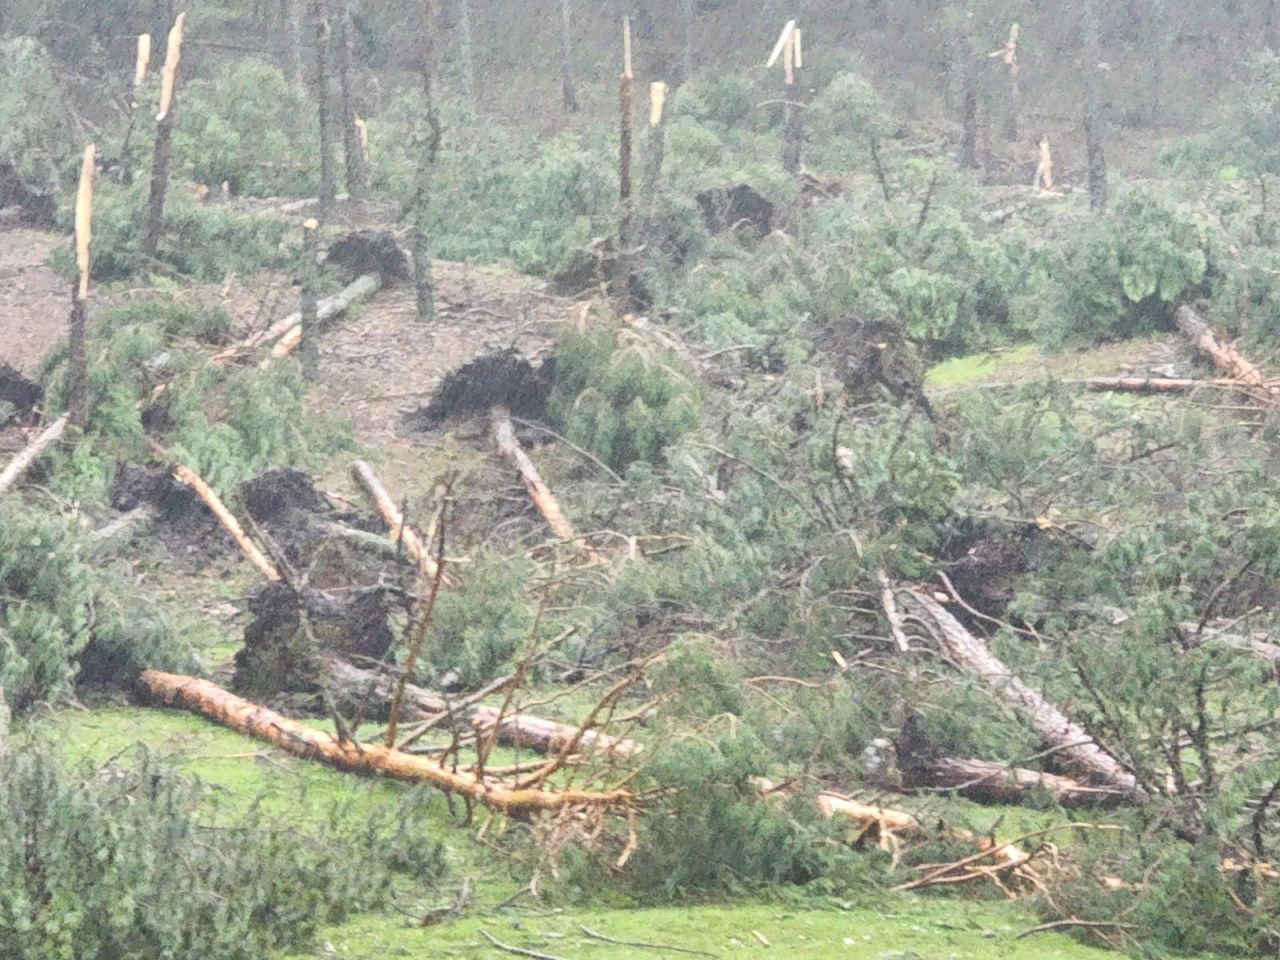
(352, 148)
(26, 457)
(399, 531)
(1093, 124)
(1155, 384)
(989, 782)
(164, 140)
(290, 327)
(352, 684)
(1224, 356)
(1071, 743)
(195, 483)
(504, 435)
(569, 90)
(77, 351)
(210, 700)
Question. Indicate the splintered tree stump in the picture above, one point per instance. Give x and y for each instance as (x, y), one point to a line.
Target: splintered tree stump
(210, 700)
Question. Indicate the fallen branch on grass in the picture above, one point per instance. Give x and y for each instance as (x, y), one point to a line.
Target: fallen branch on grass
(504, 436)
(21, 463)
(210, 700)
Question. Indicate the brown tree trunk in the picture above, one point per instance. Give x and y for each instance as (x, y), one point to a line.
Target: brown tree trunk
(1093, 126)
(428, 149)
(328, 179)
(1226, 357)
(689, 18)
(968, 93)
(210, 700)
(569, 91)
(78, 361)
(352, 686)
(989, 782)
(626, 134)
(352, 148)
(159, 186)
(467, 53)
(1071, 743)
(309, 307)
(291, 40)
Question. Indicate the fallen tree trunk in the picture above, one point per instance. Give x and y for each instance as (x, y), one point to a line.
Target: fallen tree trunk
(1156, 384)
(989, 782)
(210, 700)
(193, 481)
(1070, 742)
(290, 327)
(1226, 357)
(352, 684)
(504, 435)
(399, 531)
(21, 463)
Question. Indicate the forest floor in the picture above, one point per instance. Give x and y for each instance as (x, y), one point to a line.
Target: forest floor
(377, 365)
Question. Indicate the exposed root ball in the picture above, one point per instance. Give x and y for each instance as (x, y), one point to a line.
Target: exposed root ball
(19, 396)
(736, 206)
(504, 378)
(370, 251)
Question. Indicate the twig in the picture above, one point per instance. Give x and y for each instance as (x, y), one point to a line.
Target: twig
(518, 951)
(640, 944)
(1057, 924)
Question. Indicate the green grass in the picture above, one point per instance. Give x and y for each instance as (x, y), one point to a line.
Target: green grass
(975, 368)
(900, 926)
(904, 928)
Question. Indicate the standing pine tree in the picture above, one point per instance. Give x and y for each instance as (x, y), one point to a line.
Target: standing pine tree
(352, 147)
(1091, 63)
(430, 134)
(328, 187)
(569, 90)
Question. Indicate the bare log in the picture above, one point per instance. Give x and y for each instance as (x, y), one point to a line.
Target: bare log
(27, 456)
(1073, 745)
(195, 483)
(1155, 384)
(290, 327)
(1224, 356)
(504, 435)
(989, 782)
(210, 700)
(353, 683)
(399, 531)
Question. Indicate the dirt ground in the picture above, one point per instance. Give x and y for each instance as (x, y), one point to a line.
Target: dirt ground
(33, 299)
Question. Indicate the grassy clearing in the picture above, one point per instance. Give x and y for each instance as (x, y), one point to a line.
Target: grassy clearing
(900, 927)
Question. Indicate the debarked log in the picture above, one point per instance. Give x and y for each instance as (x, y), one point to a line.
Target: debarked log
(212, 701)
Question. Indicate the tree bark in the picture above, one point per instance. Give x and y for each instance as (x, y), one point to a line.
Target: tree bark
(352, 149)
(399, 531)
(353, 686)
(467, 53)
(78, 360)
(689, 18)
(289, 329)
(430, 136)
(1072, 744)
(210, 700)
(968, 92)
(291, 40)
(569, 91)
(159, 182)
(309, 307)
(29, 454)
(988, 782)
(504, 436)
(1224, 356)
(328, 180)
(1093, 126)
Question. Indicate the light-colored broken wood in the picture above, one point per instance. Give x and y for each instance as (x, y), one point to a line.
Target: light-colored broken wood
(22, 462)
(84, 218)
(173, 56)
(143, 62)
(362, 288)
(209, 497)
(398, 531)
(657, 102)
(1072, 744)
(784, 41)
(212, 701)
(1226, 357)
(504, 436)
